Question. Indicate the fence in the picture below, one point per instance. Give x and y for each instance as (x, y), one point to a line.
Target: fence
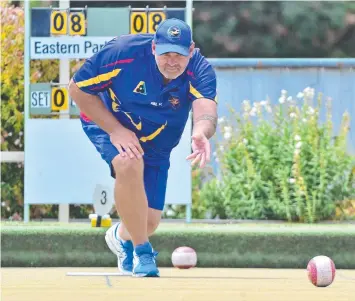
(255, 79)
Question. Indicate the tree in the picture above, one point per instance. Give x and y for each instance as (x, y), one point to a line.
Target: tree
(275, 29)
(12, 105)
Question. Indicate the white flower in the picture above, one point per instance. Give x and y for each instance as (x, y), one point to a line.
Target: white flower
(245, 141)
(20, 133)
(310, 111)
(293, 115)
(283, 92)
(246, 105)
(217, 160)
(292, 181)
(268, 109)
(289, 98)
(221, 120)
(3, 204)
(300, 95)
(227, 135)
(257, 107)
(263, 103)
(252, 112)
(282, 99)
(9, 134)
(221, 148)
(227, 129)
(246, 102)
(308, 92)
(304, 120)
(298, 138)
(298, 145)
(297, 151)
(17, 141)
(169, 212)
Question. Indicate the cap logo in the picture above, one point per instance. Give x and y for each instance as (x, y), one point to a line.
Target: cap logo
(174, 32)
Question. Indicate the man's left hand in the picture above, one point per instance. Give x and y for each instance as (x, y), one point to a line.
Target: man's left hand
(201, 150)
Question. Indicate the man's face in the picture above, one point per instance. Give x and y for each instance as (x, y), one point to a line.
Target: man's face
(172, 64)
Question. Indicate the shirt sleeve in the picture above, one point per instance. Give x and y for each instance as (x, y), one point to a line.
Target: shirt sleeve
(97, 72)
(203, 83)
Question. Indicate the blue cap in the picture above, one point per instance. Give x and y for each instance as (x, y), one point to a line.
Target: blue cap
(173, 35)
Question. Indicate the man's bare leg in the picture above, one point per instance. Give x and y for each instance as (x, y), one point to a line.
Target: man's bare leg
(134, 252)
(154, 217)
(130, 198)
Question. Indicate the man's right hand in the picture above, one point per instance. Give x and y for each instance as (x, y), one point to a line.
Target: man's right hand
(126, 142)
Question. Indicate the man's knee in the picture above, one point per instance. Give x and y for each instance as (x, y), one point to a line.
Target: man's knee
(124, 166)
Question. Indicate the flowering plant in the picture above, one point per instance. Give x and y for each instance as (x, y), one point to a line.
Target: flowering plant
(280, 162)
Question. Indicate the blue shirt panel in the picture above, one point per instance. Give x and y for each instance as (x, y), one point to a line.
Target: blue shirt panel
(125, 76)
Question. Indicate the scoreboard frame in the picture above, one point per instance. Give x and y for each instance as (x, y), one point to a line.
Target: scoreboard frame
(49, 152)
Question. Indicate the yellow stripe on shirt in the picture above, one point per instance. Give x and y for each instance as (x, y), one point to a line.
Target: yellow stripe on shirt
(154, 134)
(194, 92)
(112, 95)
(138, 126)
(197, 94)
(98, 79)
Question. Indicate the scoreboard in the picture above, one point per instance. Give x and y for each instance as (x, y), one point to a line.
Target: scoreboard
(99, 21)
(78, 33)
(61, 165)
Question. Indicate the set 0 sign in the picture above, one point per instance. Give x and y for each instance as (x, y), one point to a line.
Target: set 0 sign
(57, 99)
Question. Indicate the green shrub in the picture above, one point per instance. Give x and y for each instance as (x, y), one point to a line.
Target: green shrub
(281, 162)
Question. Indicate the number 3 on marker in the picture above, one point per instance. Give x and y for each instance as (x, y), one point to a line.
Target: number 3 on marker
(60, 100)
(154, 19)
(103, 197)
(59, 21)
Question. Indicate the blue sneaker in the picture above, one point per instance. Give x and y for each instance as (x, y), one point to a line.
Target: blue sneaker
(144, 264)
(123, 250)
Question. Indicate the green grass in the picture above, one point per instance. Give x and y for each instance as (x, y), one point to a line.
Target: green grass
(194, 227)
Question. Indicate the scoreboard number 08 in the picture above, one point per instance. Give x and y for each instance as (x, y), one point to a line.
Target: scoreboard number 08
(143, 22)
(60, 23)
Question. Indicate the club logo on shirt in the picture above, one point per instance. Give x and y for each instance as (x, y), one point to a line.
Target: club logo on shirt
(174, 32)
(140, 89)
(175, 103)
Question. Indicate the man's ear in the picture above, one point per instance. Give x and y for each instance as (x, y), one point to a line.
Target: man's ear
(153, 47)
(191, 49)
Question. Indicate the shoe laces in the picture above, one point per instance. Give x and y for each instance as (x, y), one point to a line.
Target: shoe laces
(148, 258)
